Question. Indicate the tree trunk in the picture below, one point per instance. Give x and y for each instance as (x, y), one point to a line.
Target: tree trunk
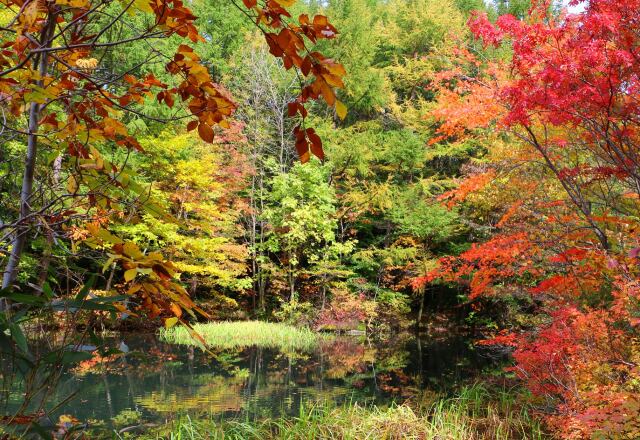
(22, 229)
(421, 310)
(110, 280)
(292, 284)
(262, 287)
(17, 245)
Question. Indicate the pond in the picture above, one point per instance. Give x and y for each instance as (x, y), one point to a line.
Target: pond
(155, 381)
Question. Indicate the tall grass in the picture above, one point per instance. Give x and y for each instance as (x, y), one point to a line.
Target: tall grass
(246, 334)
(469, 416)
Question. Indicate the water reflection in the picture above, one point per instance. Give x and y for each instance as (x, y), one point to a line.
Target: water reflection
(155, 381)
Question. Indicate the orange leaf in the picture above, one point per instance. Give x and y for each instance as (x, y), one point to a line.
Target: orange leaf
(327, 93)
(175, 308)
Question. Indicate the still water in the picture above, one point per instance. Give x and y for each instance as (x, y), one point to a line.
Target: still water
(155, 381)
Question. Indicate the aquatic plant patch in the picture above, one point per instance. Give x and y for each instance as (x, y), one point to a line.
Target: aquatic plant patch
(246, 334)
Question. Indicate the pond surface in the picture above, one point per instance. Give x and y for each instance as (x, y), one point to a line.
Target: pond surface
(155, 381)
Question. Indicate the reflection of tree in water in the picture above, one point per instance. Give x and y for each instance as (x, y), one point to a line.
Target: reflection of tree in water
(263, 382)
(157, 380)
(346, 357)
(215, 396)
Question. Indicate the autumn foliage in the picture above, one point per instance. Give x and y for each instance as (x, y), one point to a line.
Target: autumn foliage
(54, 95)
(567, 175)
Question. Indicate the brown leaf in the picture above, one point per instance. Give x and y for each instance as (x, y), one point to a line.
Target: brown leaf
(192, 125)
(316, 144)
(205, 132)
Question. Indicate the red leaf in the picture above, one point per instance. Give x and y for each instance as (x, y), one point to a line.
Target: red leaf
(292, 109)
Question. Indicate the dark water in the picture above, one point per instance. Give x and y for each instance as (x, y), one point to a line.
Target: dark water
(156, 381)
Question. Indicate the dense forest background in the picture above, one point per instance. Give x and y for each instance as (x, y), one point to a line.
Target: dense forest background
(258, 232)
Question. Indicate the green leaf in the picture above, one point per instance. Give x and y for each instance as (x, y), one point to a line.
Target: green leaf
(68, 357)
(109, 299)
(107, 236)
(19, 338)
(83, 305)
(22, 298)
(94, 339)
(48, 292)
(39, 95)
(72, 357)
(108, 263)
(85, 289)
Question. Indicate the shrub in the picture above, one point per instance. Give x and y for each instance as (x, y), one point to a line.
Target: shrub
(347, 311)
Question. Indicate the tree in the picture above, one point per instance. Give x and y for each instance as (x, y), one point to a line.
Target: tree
(300, 211)
(564, 103)
(429, 225)
(360, 22)
(68, 97)
(200, 185)
(265, 89)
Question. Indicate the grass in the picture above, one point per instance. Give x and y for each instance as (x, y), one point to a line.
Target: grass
(473, 415)
(246, 334)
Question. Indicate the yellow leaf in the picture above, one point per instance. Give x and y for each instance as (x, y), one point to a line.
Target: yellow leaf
(73, 3)
(341, 109)
(72, 185)
(30, 14)
(333, 80)
(130, 274)
(170, 322)
(143, 5)
(286, 3)
(133, 289)
(131, 250)
(107, 236)
(39, 95)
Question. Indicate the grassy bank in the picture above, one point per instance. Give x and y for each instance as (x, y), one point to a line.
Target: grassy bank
(245, 334)
(470, 416)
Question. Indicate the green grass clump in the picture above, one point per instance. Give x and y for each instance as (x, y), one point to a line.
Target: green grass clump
(246, 334)
(470, 416)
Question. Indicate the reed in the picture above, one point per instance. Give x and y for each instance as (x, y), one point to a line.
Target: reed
(474, 414)
(246, 334)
